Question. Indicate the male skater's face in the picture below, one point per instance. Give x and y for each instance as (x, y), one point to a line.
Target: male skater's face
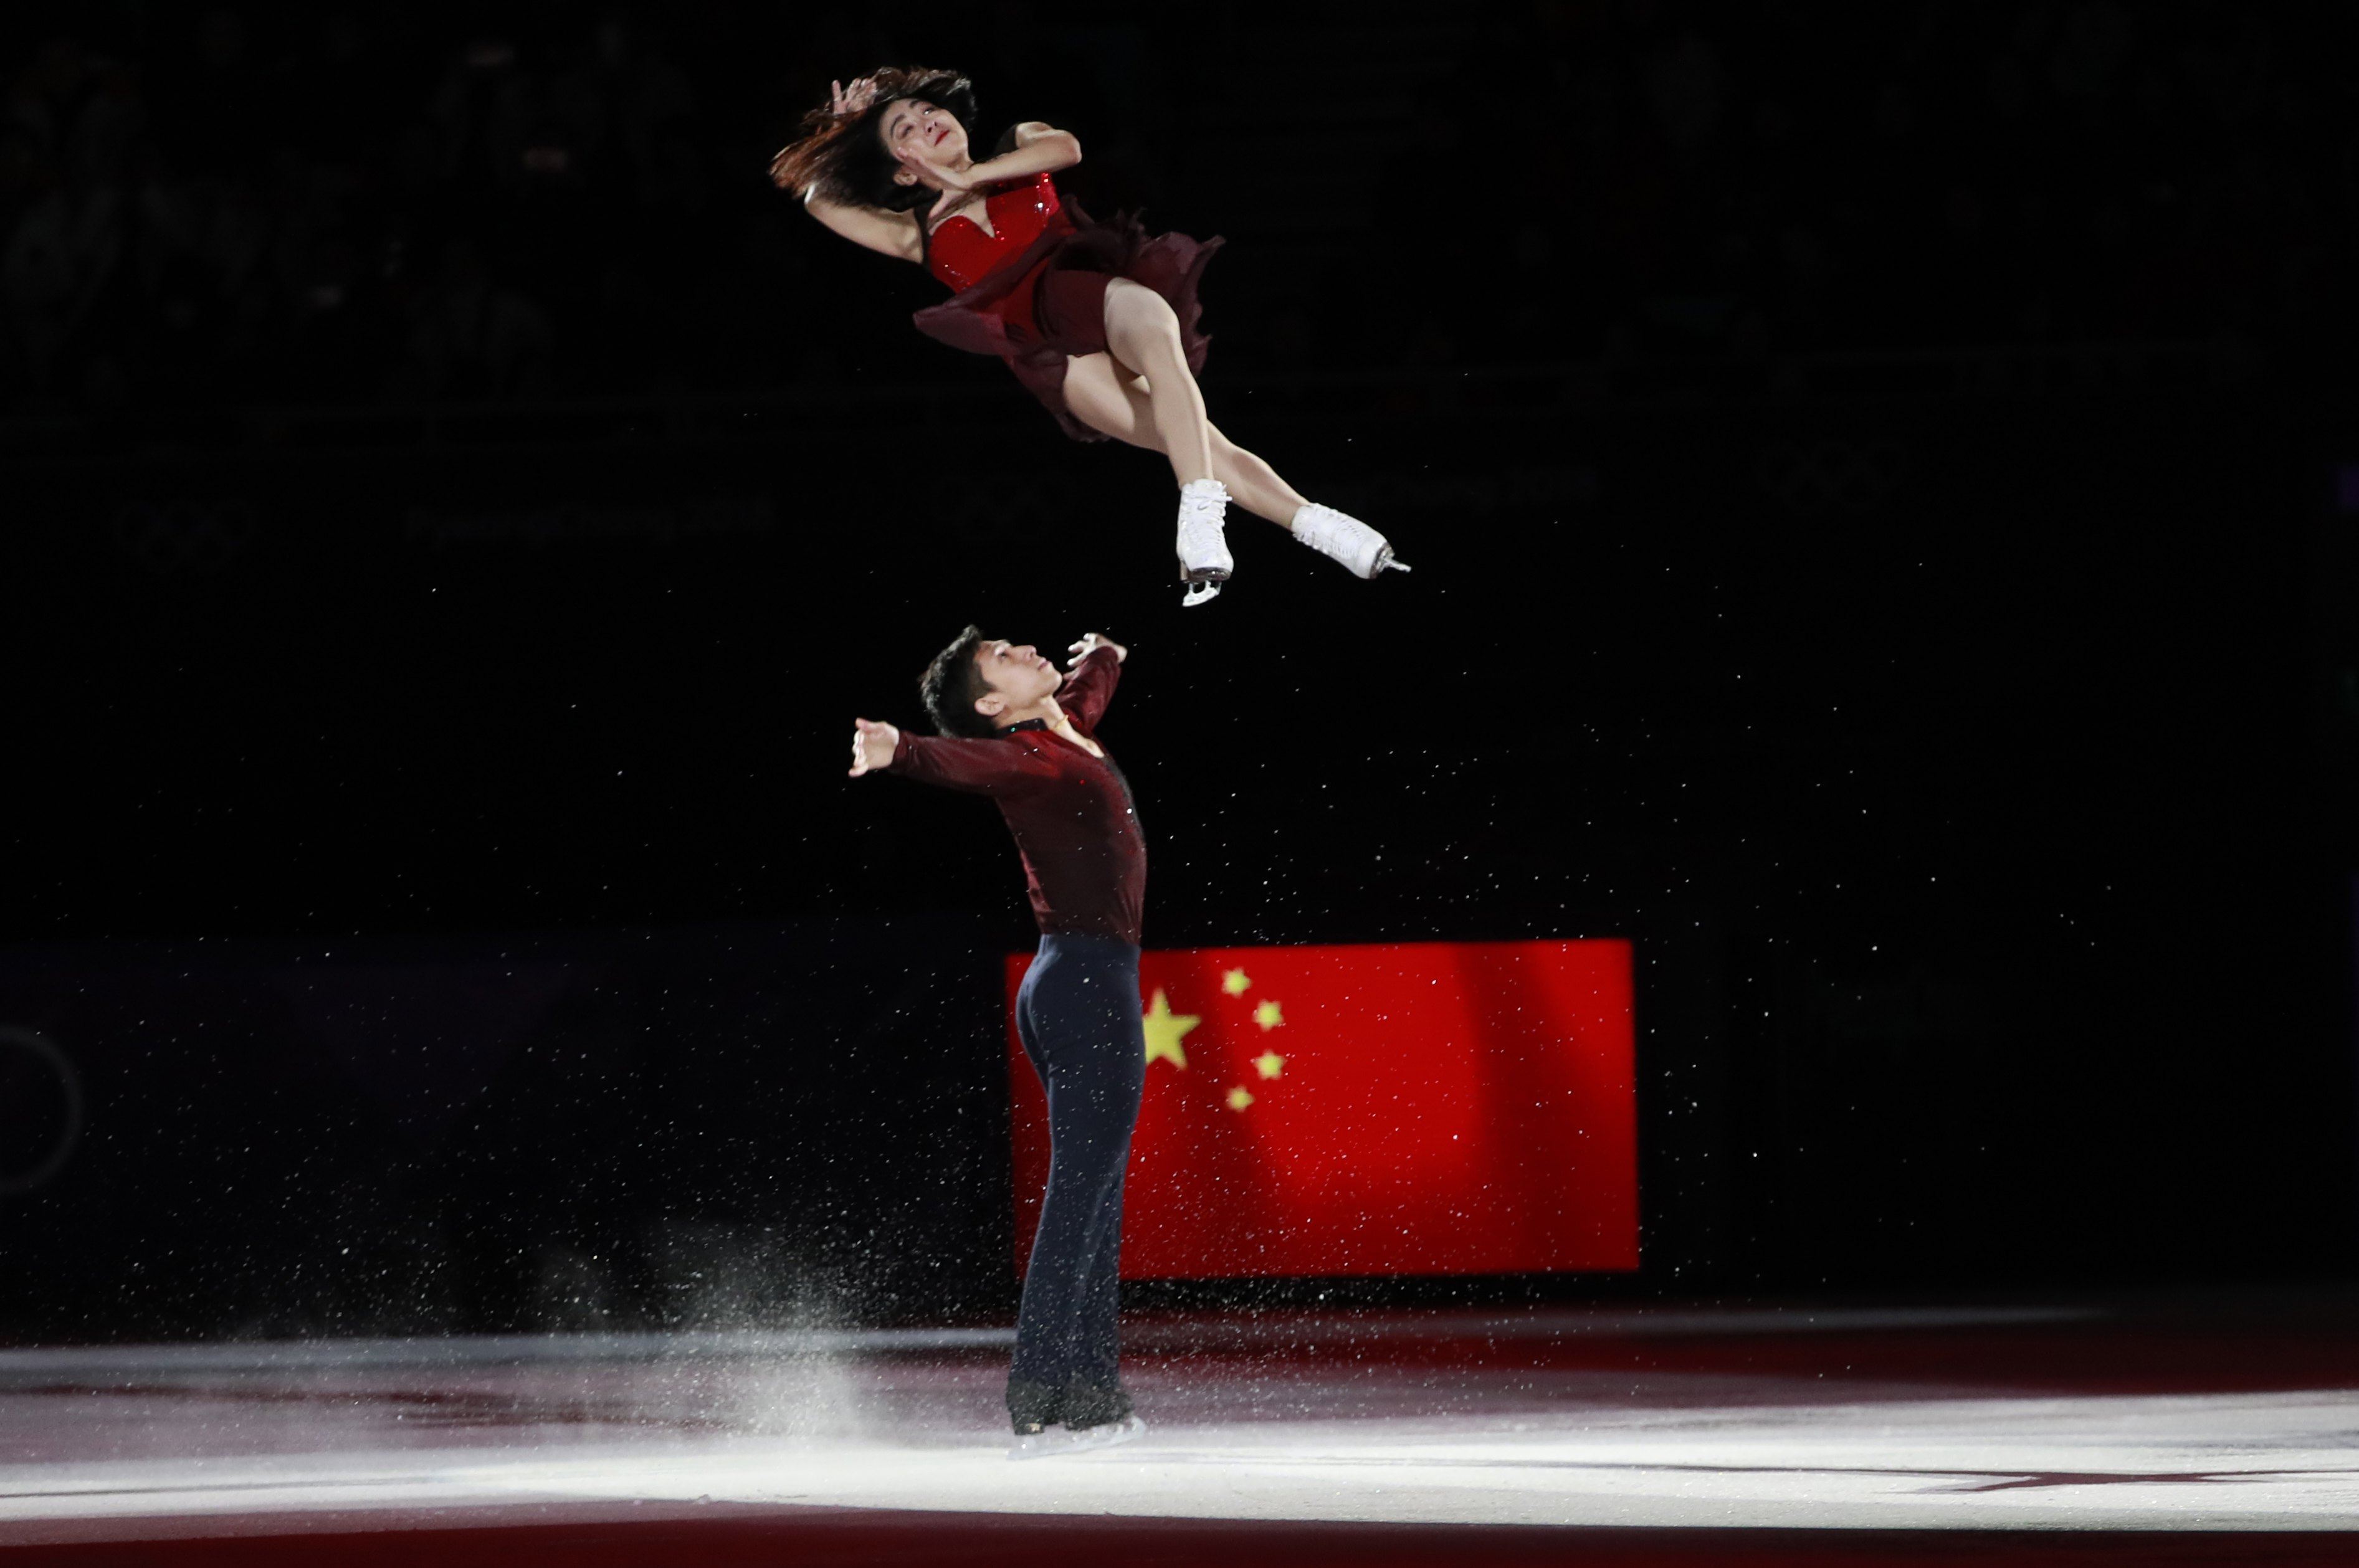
(1018, 673)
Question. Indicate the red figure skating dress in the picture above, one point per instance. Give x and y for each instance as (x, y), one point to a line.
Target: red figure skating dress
(1033, 291)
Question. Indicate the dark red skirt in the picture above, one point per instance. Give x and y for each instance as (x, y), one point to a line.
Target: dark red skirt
(1062, 275)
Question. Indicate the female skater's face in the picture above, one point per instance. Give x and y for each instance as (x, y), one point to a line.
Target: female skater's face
(913, 128)
(1018, 673)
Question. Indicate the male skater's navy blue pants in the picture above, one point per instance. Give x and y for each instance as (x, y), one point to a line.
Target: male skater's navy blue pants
(1078, 1016)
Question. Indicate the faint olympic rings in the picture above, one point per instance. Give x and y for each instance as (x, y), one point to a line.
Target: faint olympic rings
(1833, 475)
(25, 1042)
(183, 535)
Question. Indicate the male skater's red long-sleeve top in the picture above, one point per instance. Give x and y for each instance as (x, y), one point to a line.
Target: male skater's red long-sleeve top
(1084, 858)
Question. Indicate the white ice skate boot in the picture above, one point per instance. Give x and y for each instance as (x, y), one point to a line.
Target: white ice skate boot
(1204, 560)
(1345, 538)
(1055, 1440)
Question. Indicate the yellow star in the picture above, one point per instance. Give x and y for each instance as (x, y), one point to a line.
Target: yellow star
(1267, 1016)
(1270, 1063)
(1164, 1029)
(1238, 1098)
(1234, 982)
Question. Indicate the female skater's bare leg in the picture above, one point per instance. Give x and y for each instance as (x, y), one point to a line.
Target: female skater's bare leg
(1106, 396)
(1145, 336)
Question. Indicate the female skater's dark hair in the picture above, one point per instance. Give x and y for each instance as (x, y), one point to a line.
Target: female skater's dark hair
(951, 685)
(845, 158)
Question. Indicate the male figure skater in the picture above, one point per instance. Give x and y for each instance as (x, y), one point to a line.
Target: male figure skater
(1015, 729)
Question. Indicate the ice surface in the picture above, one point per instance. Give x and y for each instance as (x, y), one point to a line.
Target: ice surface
(266, 1432)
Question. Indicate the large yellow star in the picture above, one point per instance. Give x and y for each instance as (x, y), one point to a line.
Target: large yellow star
(1164, 1029)
(1267, 1016)
(1270, 1063)
(1234, 982)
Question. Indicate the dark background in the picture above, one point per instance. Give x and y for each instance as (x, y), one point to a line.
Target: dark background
(1876, 478)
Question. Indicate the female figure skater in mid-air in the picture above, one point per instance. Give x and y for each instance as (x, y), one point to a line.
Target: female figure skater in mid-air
(1098, 320)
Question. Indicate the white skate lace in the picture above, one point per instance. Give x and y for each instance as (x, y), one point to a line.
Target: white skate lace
(1203, 507)
(1343, 537)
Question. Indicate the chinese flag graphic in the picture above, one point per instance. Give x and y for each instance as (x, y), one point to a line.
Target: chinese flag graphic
(1421, 1107)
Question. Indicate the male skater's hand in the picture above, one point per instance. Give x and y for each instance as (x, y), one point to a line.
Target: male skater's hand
(1093, 640)
(871, 746)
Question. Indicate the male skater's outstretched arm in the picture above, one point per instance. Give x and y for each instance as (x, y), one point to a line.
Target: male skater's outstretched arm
(1015, 729)
(1072, 708)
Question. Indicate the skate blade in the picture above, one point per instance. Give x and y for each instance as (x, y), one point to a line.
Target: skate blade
(1059, 1441)
(1200, 593)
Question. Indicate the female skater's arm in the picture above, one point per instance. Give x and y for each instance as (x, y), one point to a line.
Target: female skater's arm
(1039, 133)
(1039, 149)
(893, 233)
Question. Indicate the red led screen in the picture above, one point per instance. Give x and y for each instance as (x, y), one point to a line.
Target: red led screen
(1418, 1108)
